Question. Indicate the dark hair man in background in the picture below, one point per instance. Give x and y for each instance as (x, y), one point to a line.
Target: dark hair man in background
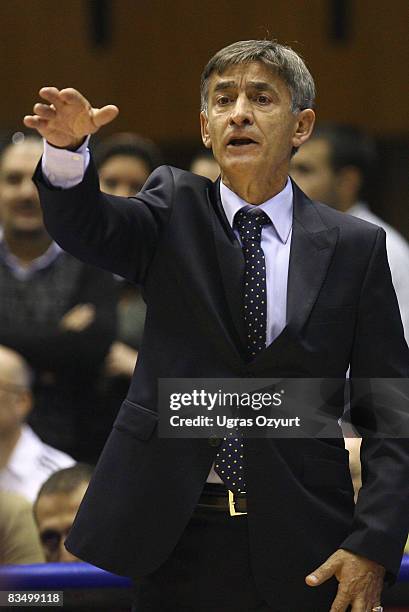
(55, 508)
(124, 162)
(333, 168)
(242, 308)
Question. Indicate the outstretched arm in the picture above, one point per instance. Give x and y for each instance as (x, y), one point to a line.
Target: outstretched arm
(117, 234)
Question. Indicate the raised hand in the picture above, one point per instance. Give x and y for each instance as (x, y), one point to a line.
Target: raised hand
(68, 117)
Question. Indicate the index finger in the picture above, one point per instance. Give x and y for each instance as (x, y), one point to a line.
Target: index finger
(52, 95)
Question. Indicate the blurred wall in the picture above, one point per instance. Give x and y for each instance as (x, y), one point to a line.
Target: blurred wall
(151, 63)
(150, 60)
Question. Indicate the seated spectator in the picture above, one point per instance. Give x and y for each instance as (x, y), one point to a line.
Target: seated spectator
(19, 541)
(204, 164)
(55, 508)
(57, 312)
(25, 461)
(332, 167)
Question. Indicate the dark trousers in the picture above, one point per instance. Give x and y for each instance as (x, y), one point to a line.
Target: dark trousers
(208, 571)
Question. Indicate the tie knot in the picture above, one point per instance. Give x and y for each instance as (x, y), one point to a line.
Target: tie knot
(250, 222)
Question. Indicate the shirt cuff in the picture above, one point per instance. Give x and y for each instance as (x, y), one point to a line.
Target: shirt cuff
(63, 168)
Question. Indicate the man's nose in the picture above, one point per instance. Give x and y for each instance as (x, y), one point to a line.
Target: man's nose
(28, 190)
(241, 113)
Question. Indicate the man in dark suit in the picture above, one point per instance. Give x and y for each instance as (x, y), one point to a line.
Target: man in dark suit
(157, 508)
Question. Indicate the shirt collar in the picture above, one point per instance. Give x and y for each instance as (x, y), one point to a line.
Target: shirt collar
(279, 208)
(24, 272)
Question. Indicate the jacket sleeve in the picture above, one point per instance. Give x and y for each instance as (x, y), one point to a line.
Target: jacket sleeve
(114, 233)
(381, 519)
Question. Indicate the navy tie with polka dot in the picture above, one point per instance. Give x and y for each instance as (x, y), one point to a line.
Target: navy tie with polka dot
(229, 462)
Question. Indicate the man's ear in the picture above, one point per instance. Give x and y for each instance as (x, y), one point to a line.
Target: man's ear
(303, 127)
(349, 183)
(204, 128)
(24, 404)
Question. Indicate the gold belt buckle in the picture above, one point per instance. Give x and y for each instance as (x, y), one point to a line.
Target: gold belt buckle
(232, 505)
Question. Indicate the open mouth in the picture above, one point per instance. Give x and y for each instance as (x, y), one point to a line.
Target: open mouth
(240, 142)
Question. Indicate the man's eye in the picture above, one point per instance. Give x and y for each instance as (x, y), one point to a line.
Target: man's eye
(14, 178)
(261, 99)
(301, 169)
(50, 539)
(223, 100)
(111, 183)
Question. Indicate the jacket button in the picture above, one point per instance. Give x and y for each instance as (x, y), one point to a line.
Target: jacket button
(214, 441)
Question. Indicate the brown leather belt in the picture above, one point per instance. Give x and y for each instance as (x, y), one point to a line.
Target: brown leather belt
(216, 497)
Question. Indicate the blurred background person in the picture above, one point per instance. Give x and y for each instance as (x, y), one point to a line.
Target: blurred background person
(124, 162)
(204, 164)
(25, 461)
(19, 540)
(333, 167)
(55, 508)
(59, 313)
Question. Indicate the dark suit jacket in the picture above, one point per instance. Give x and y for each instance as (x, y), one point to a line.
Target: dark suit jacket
(174, 239)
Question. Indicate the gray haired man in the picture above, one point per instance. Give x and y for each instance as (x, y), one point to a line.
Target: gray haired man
(243, 278)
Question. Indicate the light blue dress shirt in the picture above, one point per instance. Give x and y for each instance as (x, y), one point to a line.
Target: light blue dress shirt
(276, 243)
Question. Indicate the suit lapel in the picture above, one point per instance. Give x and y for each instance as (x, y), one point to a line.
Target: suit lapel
(312, 247)
(231, 263)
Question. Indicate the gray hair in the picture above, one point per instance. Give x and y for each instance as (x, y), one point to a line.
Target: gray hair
(280, 59)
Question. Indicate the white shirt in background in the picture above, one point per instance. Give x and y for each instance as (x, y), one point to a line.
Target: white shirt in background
(30, 464)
